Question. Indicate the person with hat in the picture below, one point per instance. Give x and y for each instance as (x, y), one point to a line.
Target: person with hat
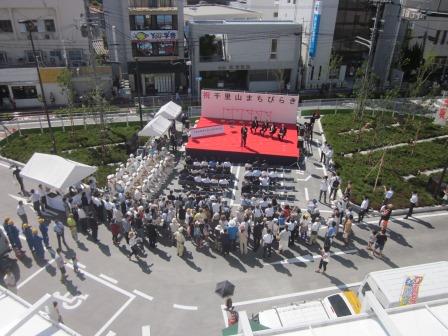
(71, 223)
(58, 229)
(180, 241)
(13, 234)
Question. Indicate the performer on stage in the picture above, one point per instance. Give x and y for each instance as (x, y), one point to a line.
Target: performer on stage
(243, 136)
(264, 127)
(254, 125)
(282, 132)
(272, 130)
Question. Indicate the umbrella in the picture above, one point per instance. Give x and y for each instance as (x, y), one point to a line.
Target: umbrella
(225, 288)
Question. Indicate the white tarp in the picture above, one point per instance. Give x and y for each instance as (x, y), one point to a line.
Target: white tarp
(55, 171)
(170, 111)
(156, 127)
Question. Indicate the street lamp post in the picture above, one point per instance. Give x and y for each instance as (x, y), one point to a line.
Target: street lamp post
(30, 27)
(137, 70)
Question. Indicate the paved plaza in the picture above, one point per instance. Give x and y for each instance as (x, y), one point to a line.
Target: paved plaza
(170, 295)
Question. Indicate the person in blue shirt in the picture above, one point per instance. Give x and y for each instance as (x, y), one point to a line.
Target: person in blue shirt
(281, 222)
(26, 229)
(13, 234)
(38, 244)
(232, 231)
(43, 227)
(331, 232)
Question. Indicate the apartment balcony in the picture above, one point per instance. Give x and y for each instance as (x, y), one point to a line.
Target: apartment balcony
(137, 5)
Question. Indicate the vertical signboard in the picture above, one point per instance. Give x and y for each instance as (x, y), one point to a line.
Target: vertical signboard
(315, 29)
(411, 287)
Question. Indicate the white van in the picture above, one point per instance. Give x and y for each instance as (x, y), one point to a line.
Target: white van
(331, 307)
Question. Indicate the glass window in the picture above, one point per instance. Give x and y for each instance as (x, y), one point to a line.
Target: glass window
(273, 45)
(5, 26)
(165, 22)
(140, 22)
(150, 49)
(24, 92)
(49, 25)
(339, 306)
(75, 55)
(30, 56)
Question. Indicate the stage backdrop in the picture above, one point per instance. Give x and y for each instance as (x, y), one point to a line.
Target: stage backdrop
(247, 105)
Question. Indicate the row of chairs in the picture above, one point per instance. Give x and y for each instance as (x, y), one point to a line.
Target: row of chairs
(279, 196)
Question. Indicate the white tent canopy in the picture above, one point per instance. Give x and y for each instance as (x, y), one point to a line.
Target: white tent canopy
(55, 171)
(170, 111)
(156, 127)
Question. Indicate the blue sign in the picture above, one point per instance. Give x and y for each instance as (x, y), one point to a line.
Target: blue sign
(315, 29)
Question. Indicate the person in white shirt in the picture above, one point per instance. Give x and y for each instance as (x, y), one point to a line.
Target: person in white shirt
(284, 239)
(43, 197)
(388, 194)
(206, 180)
(22, 213)
(223, 182)
(268, 238)
(264, 181)
(323, 153)
(216, 207)
(248, 173)
(314, 231)
(198, 179)
(328, 155)
(269, 212)
(323, 188)
(226, 164)
(412, 204)
(35, 199)
(363, 208)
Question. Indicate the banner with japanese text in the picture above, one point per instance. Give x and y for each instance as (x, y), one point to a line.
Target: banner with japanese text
(248, 105)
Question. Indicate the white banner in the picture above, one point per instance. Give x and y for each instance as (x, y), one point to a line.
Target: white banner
(154, 35)
(247, 105)
(200, 132)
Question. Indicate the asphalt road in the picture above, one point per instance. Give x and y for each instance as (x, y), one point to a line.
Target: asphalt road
(175, 296)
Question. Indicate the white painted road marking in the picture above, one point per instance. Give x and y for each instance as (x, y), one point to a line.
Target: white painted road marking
(111, 333)
(24, 282)
(185, 307)
(117, 313)
(307, 197)
(105, 277)
(70, 302)
(143, 295)
(146, 330)
(309, 258)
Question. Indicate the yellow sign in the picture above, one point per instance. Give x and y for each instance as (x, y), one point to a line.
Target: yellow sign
(50, 75)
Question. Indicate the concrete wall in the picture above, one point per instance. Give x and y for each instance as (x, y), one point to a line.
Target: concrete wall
(67, 19)
(267, 8)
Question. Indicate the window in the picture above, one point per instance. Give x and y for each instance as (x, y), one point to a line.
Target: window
(5, 26)
(140, 22)
(320, 72)
(30, 56)
(32, 25)
(152, 49)
(49, 25)
(443, 37)
(165, 22)
(339, 306)
(273, 49)
(436, 38)
(24, 92)
(75, 55)
(3, 57)
(276, 14)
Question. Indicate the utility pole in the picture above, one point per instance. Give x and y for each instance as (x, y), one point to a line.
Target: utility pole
(30, 27)
(137, 74)
(95, 75)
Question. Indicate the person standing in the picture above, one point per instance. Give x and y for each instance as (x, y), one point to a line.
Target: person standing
(133, 245)
(331, 233)
(26, 229)
(388, 194)
(10, 281)
(323, 152)
(83, 220)
(314, 231)
(225, 242)
(323, 189)
(43, 228)
(268, 238)
(93, 223)
(325, 258)
(71, 223)
(60, 263)
(254, 125)
(257, 234)
(243, 136)
(347, 229)
(35, 199)
(243, 239)
(21, 212)
(43, 197)
(13, 234)
(283, 239)
(54, 313)
(380, 241)
(335, 181)
(385, 213)
(58, 229)
(16, 173)
(329, 155)
(38, 244)
(180, 241)
(412, 204)
(363, 209)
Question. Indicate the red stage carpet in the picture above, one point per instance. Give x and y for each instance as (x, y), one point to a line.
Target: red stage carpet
(228, 145)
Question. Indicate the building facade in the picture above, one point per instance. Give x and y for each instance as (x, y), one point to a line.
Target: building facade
(149, 35)
(245, 55)
(60, 41)
(269, 9)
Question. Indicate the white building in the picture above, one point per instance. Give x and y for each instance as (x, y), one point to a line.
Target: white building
(245, 55)
(269, 9)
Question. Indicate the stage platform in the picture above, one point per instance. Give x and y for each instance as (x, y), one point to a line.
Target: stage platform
(258, 147)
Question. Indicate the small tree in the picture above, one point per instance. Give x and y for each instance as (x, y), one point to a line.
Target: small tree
(424, 72)
(333, 67)
(65, 81)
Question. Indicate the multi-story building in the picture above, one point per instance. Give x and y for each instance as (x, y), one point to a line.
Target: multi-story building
(244, 55)
(150, 39)
(218, 12)
(269, 9)
(60, 38)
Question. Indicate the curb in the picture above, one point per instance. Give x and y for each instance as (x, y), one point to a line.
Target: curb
(11, 162)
